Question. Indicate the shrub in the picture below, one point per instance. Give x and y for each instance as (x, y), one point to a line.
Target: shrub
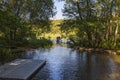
(40, 43)
(5, 55)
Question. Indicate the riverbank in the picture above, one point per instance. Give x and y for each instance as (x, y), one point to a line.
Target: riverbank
(9, 53)
(100, 50)
(24, 49)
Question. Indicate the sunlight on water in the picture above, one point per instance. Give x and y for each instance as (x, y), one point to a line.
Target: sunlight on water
(66, 64)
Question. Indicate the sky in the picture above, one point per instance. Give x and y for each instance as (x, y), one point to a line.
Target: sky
(59, 7)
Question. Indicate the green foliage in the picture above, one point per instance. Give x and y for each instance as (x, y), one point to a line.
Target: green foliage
(8, 20)
(40, 43)
(97, 22)
(19, 18)
(7, 55)
(117, 47)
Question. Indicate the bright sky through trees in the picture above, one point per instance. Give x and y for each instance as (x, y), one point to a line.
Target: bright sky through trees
(59, 7)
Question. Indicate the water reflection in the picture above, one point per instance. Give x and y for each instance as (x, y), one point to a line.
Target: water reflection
(66, 64)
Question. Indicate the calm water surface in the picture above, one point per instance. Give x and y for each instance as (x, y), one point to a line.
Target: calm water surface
(65, 64)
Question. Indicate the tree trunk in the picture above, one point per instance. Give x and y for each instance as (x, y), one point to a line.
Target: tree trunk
(116, 32)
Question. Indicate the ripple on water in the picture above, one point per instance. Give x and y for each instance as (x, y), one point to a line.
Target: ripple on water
(67, 64)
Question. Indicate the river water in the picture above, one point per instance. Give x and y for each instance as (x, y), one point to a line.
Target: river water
(66, 64)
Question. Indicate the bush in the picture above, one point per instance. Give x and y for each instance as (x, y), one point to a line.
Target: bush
(40, 43)
(5, 55)
(3, 42)
(22, 43)
(117, 46)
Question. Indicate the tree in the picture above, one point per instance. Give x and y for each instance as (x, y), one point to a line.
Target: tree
(24, 15)
(95, 18)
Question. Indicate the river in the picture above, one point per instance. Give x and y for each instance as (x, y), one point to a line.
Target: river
(66, 64)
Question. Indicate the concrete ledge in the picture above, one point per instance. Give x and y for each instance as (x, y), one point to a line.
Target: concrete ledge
(20, 69)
